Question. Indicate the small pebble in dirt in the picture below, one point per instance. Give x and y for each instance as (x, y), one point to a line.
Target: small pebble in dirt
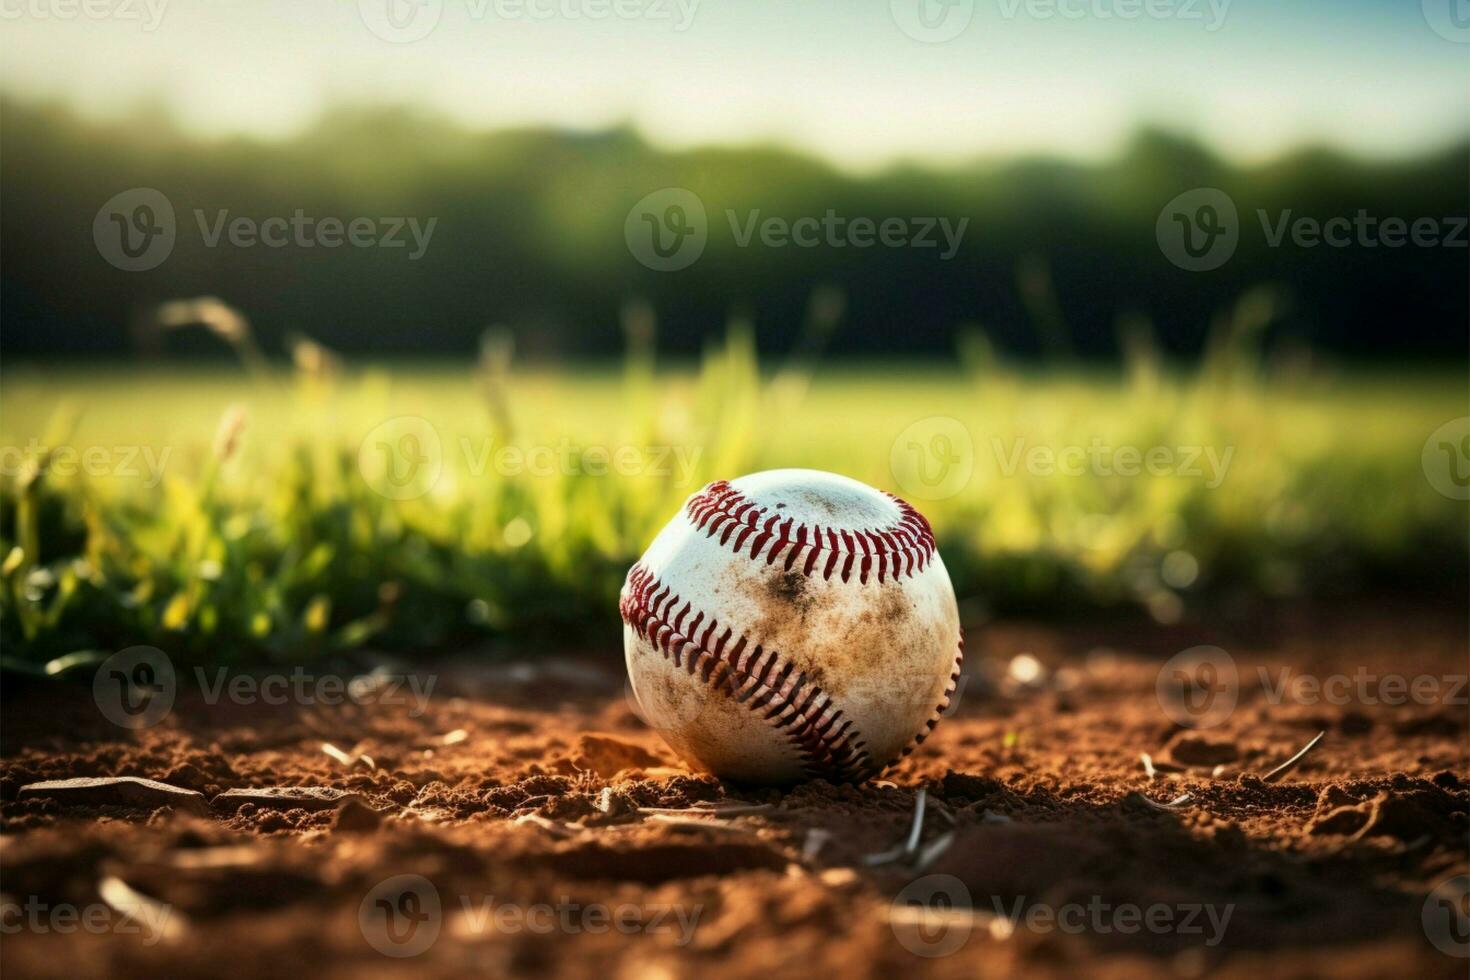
(117, 791)
(838, 877)
(272, 821)
(355, 817)
(613, 803)
(287, 797)
(1196, 750)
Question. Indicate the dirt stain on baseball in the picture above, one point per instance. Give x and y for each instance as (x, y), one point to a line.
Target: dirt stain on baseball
(792, 588)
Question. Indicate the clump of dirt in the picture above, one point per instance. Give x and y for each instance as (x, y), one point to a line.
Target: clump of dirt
(1408, 810)
(607, 756)
(1046, 841)
(1190, 749)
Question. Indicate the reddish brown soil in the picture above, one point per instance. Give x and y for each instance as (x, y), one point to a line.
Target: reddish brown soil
(1325, 872)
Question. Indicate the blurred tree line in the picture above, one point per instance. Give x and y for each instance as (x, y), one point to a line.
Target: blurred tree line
(1055, 255)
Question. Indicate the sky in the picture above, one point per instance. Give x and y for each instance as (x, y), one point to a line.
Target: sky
(863, 83)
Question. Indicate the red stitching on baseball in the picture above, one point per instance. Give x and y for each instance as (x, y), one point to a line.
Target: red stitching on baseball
(901, 548)
(815, 726)
(933, 720)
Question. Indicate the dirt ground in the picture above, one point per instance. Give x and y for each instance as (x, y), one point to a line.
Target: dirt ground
(533, 805)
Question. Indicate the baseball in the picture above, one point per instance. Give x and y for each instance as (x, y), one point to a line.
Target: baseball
(792, 625)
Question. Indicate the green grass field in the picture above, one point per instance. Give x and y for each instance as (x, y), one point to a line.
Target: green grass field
(128, 516)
